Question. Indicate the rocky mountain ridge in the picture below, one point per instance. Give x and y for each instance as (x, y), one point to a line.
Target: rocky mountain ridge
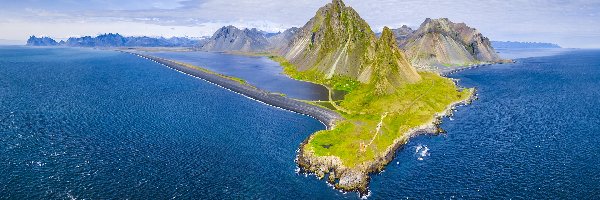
(337, 42)
(233, 39)
(440, 42)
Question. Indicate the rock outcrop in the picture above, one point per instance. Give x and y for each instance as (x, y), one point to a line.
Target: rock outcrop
(440, 42)
(338, 42)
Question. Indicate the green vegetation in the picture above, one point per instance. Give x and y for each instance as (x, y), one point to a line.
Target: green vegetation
(239, 80)
(336, 82)
(358, 139)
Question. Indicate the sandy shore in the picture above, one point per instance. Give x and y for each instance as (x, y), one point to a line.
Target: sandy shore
(325, 116)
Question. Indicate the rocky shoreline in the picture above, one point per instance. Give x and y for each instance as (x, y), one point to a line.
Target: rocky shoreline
(329, 167)
(325, 116)
(357, 178)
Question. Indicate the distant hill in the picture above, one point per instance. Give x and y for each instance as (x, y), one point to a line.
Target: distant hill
(523, 45)
(116, 40)
(41, 41)
(440, 42)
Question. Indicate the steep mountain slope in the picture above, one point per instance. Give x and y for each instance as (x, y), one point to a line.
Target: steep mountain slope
(230, 38)
(337, 42)
(390, 67)
(440, 42)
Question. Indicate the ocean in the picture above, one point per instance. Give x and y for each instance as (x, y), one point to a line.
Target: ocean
(96, 124)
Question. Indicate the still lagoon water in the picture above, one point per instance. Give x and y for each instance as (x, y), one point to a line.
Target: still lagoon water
(82, 123)
(259, 71)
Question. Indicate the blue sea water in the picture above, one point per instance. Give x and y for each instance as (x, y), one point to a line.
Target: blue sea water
(533, 134)
(92, 124)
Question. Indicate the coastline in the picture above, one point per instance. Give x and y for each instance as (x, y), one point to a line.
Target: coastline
(358, 177)
(328, 117)
(343, 178)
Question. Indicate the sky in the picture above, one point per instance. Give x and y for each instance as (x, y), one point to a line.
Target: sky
(569, 23)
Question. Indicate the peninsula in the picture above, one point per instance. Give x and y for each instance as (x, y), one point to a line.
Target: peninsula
(388, 100)
(393, 81)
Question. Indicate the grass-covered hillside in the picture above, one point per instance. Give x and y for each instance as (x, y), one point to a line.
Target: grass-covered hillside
(373, 122)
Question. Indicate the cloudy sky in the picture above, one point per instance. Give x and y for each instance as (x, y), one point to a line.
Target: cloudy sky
(570, 23)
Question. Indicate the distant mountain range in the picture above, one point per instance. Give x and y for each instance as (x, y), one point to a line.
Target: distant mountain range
(437, 43)
(42, 41)
(115, 40)
(524, 45)
(231, 38)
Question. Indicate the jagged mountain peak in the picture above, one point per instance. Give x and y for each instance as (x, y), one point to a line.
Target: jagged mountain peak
(231, 38)
(441, 42)
(338, 42)
(333, 42)
(391, 69)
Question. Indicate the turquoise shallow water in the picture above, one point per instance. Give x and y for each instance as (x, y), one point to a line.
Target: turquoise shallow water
(81, 123)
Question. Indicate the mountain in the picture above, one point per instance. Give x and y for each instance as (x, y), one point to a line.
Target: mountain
(43, 41)
(390, 67)
(115, 40)
(230, 38)
(337, 42)
(524, 45)
(440, 42)
(104, 40)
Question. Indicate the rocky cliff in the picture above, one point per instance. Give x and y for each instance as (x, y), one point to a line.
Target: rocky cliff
(440, 42)
(338, 42)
